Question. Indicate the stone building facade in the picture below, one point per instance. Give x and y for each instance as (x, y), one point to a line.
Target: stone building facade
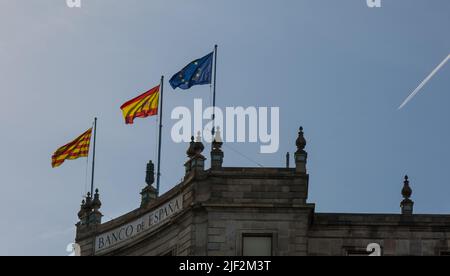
(225, 211)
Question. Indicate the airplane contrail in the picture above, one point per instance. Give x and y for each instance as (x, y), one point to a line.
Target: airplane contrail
(417, 90)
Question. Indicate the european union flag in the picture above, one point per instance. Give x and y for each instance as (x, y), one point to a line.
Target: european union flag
(195, 73)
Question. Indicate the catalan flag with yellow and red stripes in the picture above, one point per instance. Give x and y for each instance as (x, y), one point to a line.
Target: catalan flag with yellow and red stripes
(74, 150)
(142, 106)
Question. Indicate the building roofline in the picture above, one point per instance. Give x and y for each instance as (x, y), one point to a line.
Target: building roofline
(380, 219)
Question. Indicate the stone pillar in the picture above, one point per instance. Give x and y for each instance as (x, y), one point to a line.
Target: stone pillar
(216, 152)
(89, 213)
(301, 156)
(407, 204)
(190, 154)
(196, 162)
(96, 216)
(90, 218)
(149, 193)
(82, 214)
(85, 211)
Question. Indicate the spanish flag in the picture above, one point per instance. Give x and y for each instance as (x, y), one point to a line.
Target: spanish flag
(74, 150)
(141, 107)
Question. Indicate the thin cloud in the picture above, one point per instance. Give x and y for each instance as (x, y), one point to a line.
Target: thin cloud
(424, 82)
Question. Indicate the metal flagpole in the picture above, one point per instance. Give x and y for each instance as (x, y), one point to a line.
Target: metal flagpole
(214, 92)
(93, 157)
(158, 175)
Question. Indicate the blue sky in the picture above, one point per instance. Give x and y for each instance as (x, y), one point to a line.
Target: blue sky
(338, 68)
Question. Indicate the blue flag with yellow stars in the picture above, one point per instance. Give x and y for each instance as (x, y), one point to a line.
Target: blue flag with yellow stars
(195, 73)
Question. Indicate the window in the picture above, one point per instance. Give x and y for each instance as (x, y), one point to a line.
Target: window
(257, 245)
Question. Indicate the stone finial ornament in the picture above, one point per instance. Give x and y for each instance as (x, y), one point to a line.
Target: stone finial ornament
(150, 173)
(191, 151)
(301, 141)
(82, 212)
(406, 191)
(217, 142)
(407, 204)
(96, 203)
(301, 156)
